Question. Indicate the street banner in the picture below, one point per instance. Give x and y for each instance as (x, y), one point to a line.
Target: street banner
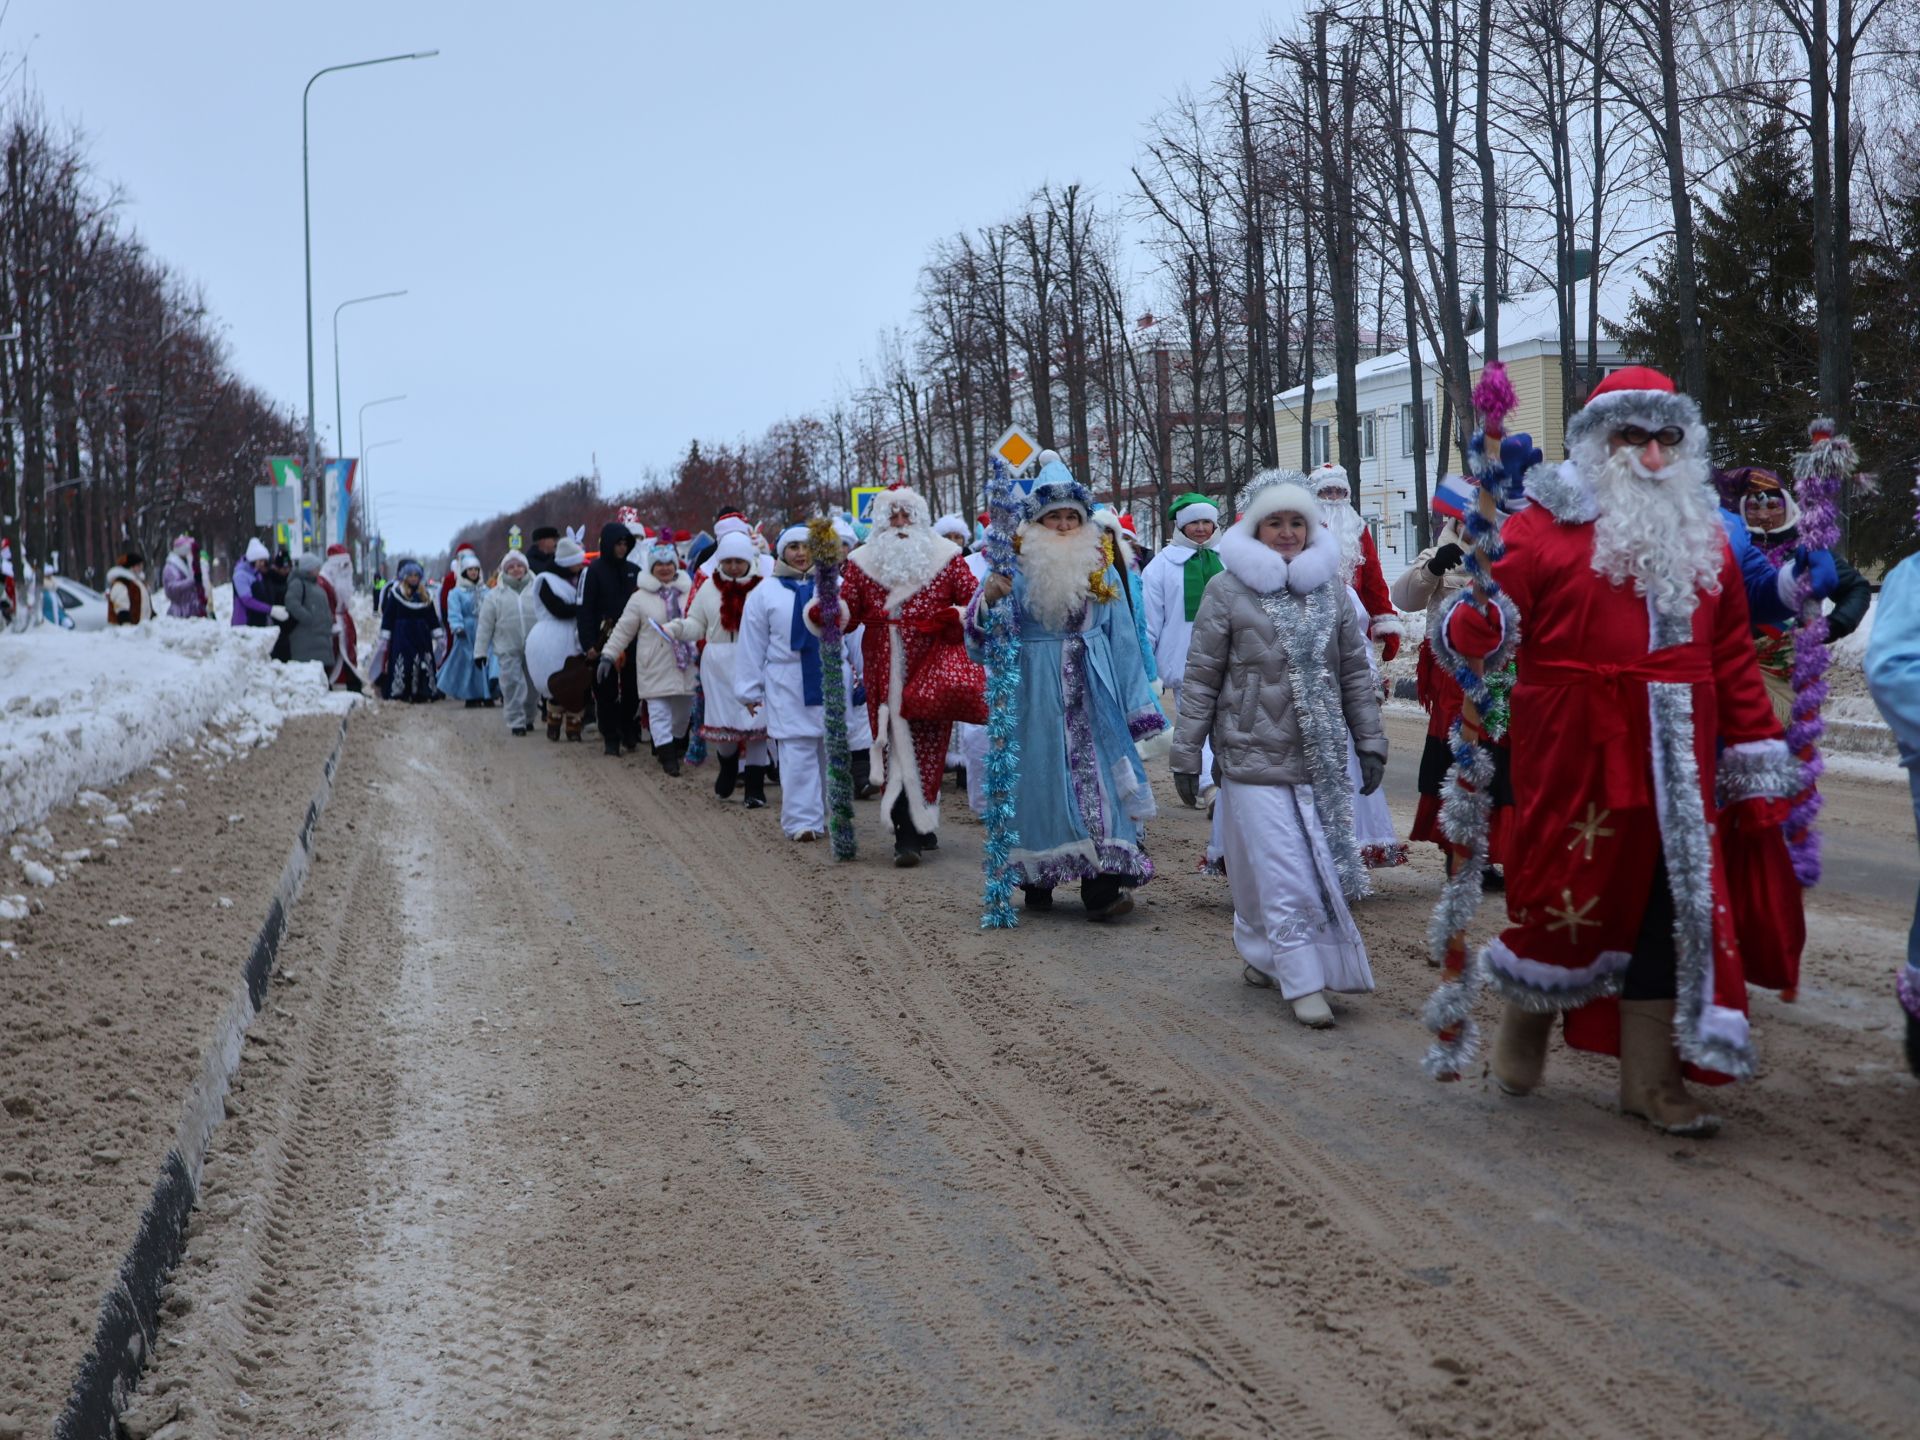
(340, 477)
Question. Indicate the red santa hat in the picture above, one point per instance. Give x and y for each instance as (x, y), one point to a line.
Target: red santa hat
(1636, 395)
(336, 549)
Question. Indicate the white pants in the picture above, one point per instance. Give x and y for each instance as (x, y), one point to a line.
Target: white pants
(971, 741)
(757, 751)
(516, 692)
(667, 716)
(803, 785)
(1290, 921)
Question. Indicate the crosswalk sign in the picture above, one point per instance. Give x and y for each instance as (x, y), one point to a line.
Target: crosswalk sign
(862, 496)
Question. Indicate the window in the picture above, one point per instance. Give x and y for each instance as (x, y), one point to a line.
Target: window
(1409, 534)
(1321, 435)
(1366, 437)
(1407, 411)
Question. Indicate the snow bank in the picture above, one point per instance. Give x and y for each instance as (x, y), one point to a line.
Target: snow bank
(82, 711)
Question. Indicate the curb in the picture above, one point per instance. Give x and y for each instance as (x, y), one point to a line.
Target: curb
(129, 1317)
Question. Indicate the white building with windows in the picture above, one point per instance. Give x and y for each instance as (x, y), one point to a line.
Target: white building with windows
(1530, 346)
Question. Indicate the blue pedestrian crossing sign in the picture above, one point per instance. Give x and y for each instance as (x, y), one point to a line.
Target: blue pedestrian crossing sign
(862, 497)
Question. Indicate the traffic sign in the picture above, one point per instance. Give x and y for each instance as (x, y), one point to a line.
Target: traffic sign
(275, 505)
(862, 496)
(1017, 448)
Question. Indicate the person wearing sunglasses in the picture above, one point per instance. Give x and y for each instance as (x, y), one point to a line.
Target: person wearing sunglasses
(1636, 714)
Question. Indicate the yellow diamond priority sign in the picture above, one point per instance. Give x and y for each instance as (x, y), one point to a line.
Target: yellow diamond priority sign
(1017, 448)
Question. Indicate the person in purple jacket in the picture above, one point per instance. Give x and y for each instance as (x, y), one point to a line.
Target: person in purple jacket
(247, 609)
(182, 579)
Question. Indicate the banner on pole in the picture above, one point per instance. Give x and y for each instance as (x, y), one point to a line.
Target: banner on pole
(340, 477)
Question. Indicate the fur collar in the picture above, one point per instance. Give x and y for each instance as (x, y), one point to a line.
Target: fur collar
(905, 569)
(1264, 570)
(653, 584)
(1564, 491)
(1180, 549)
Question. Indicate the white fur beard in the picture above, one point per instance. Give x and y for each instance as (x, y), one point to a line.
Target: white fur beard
(904, 559)
(1345, 522)
(1059, 570)
(1660, 530)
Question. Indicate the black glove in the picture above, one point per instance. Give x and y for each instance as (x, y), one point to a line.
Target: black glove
(480, 662)
(1373, 769)
(1446, 558)
(603, 669)
(1187, 787)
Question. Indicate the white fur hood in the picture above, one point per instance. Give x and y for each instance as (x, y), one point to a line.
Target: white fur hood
(1263, 569)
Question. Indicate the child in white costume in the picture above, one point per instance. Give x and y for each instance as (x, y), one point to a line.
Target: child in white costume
(1278, 675)
(664, 668)
(738, 737)
(778, 678)
(1172, 598)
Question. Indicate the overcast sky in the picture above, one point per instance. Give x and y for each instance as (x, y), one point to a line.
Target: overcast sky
(621, 225)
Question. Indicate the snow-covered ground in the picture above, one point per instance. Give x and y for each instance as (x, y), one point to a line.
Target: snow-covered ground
(79, 712)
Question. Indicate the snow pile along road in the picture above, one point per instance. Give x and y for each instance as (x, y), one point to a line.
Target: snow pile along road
(81, 711)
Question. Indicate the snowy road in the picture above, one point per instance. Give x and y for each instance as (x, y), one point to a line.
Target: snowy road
(590, 1107)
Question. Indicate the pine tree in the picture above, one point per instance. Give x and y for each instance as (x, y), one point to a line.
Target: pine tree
(1886, 408)
(1754, 262)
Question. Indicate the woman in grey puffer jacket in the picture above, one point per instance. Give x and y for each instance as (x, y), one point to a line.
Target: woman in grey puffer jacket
(309, 613)
(1277, 677)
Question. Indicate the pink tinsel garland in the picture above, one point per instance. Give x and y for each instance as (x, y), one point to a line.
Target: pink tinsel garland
(1818, 473)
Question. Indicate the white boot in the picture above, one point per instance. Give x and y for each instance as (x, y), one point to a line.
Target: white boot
(1312, 1010)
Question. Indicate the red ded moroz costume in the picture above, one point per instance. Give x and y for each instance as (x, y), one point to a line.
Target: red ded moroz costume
(1633, 726)
(907, 589)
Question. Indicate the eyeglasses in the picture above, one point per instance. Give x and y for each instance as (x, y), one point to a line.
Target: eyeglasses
(1634, 436)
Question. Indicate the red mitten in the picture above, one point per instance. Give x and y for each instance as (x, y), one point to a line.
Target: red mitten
(1389, 648)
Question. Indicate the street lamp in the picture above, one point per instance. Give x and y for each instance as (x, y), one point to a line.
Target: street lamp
(306, 215)
(340, 430)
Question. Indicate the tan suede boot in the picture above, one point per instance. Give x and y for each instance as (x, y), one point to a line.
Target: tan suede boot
(1520, 1049)
(1650, 1083)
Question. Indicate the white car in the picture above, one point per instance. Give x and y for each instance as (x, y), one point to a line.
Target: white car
(85, 607)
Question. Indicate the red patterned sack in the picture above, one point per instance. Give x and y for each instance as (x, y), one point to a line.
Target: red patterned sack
(946, 685)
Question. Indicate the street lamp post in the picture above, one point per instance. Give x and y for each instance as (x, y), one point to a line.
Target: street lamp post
(306, 211)
(365, 452)
(339, 429)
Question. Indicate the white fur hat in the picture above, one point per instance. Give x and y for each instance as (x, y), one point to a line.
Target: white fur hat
(735, 545)
(730, 525)
(1272, 491)
(954, 526)
(899, 497)
(790, 535)
(256, 550)
(466, 560)
(569, 553)
(1330, 474)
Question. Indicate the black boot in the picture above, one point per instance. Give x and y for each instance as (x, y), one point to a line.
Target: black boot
(907, 841)
(612, 743)
(723, 783)
(756, 776)
(670, 756)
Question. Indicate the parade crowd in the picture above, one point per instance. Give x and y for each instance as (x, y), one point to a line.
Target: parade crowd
(1630, 608)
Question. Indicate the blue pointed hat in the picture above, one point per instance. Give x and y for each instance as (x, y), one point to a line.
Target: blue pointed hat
(1055, 487)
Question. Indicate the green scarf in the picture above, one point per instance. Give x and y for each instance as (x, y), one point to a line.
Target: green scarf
(1201, 567)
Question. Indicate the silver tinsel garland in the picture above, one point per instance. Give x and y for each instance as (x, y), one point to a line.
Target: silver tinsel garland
(1305, 626)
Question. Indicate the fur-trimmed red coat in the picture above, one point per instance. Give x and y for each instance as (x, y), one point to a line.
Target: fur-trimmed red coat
(897, 640)
(1370, 584)
(1628, 737)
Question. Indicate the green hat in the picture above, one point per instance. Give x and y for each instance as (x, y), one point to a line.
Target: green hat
(1190, 507)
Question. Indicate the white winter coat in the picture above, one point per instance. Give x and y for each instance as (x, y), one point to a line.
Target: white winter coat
(656, 669)
(769, 673)
(1164, 587)
(507, 617)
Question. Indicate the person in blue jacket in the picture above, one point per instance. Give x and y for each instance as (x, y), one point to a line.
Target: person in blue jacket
(461, 676)
(1893, 675)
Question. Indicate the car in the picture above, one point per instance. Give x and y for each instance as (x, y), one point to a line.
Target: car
(85, 607)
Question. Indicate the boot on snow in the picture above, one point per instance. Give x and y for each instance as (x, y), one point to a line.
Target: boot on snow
(756, 777)
(1650, 1083)
(669, 756)
(1520, 1049)
(729, 775)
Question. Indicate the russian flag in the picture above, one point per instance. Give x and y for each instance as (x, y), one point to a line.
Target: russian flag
(1455, 497)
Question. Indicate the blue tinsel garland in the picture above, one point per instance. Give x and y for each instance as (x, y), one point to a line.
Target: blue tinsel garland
(696, 742)
(1003, 703)
(825, 544)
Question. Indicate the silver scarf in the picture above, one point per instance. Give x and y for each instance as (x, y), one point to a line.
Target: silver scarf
(1305, 624)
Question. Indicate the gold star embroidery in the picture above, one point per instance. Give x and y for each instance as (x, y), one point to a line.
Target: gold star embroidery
(1593, 828)
(1570, 919)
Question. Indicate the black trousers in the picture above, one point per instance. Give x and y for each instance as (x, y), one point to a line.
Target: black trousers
(1652, 974)
(616, 705)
